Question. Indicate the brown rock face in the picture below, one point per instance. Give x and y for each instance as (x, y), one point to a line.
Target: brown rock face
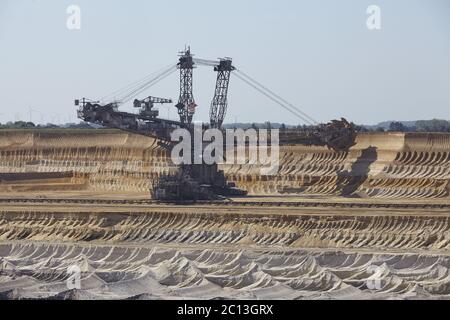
(308, 241)
(380, 165)
(77, 160)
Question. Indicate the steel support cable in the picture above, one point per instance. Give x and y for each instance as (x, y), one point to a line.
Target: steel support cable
(311, 120)
(145, 86)
(268, 95)
(134, 85)
(148, 84)
(137, 83)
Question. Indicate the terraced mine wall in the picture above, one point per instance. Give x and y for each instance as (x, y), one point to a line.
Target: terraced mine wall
(377, 232)
(380, 165)
(160, 255)
(137, 250)
(79, 160)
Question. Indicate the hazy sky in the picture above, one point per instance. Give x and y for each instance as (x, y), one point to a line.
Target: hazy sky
(319, 55)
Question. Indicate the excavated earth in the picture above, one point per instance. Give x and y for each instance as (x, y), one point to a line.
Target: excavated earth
(370, 223)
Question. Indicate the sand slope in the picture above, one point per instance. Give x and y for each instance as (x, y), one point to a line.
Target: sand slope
(40, 271)
(155, 251)
(380, 165)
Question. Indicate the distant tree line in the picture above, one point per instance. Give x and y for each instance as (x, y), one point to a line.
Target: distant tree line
(435, 125)
(17, 125)
(31, 125)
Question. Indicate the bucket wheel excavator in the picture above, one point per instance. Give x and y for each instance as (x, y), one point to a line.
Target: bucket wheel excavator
(198, 181)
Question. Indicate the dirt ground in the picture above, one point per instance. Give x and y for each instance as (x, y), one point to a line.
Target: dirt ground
(371, 223)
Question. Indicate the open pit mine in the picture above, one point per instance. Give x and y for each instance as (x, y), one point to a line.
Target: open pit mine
(108, 214)
(370, 222)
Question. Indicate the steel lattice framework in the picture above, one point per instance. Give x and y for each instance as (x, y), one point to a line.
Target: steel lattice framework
(186, 103)
(219, 103)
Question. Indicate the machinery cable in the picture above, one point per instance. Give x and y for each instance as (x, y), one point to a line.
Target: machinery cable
(124, 91)
(274, 99)
(304, 116)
